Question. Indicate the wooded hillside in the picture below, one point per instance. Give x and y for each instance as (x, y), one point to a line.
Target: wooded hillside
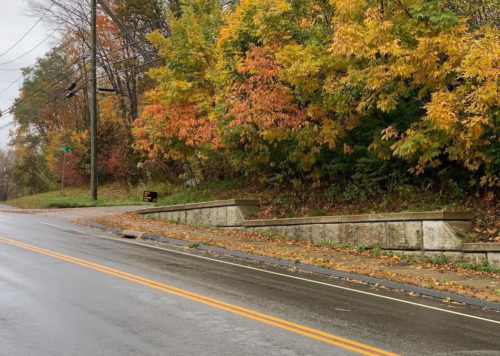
(354, 97)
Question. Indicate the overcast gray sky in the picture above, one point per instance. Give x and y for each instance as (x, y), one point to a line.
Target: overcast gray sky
(14, 25)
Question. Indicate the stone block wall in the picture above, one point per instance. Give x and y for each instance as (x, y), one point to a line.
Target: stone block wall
(223, 213)
(490, 251)
(434, 231)
(431, 233)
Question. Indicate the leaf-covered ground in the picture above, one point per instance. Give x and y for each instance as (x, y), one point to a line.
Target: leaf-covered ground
(447, 277)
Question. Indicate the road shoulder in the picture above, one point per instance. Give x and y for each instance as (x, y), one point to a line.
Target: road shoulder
(452, 285)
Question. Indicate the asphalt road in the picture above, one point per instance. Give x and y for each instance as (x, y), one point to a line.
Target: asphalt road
(68, 290)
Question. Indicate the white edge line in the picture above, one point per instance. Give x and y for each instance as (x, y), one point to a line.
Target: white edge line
(280, 274)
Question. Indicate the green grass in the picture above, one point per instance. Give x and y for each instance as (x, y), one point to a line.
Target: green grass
(205, 192)
(324, 243)
(361, 248)
(345, 246)
(389, 253)
(482, 267)
(269, 235)
(436, 260)
(108, 195)
(79, 202)
(123, 194)
(467, 237)
(317, 213)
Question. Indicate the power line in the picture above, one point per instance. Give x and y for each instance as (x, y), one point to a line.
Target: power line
(60, 46)
(47, 83)
(40, 88)
(35, 109)
(126, 69)
(114, 51)
(66, 76)
(10, 70)
(107, 53)
(61, 91)
(31, 50)
(7, 125)
(32, 27)
(125, 59)
(129, 32)
(119, 49)
(9, 110)
(113, 72)
(15, 81)
(122, 28)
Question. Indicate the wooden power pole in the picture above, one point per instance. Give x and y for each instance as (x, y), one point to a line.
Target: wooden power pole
(93, 85)
(93, 104)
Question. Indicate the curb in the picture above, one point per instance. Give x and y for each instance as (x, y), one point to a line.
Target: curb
(332, 273)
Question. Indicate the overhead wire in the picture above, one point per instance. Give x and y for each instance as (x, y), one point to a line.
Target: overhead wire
(26, 34)
(124, 35)
(35, 109)
(10, 70)
(60, 46)
(7, 125)
(114, 38)
(53, 98)
(76, 81)
(31, 50)
(123, 47)
(126, 69)
(73, 12)
(15, 81)
(61, 91)
(9, 110)
(42, 86)
(126, 59)
(22, 75)
(129, 32)
(46, 83)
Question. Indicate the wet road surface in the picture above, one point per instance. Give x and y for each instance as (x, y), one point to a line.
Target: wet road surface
(69, 292)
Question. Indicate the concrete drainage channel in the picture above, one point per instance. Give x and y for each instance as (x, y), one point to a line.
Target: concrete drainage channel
(131, 234)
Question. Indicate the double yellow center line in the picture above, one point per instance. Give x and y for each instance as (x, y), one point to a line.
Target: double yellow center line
(251, 314)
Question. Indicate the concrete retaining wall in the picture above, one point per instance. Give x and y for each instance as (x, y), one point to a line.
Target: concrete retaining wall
(488, 251)
(435, 231)
(223, 213)
(422, 233)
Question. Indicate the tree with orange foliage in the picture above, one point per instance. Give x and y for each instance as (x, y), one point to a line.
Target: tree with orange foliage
(178, 121)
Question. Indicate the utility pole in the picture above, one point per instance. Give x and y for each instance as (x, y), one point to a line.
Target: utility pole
(93, 86)
(93, 104)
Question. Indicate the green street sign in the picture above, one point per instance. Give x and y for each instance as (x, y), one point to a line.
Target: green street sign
(65, 148)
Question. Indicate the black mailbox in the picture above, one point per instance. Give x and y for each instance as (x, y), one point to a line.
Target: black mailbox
(149, 197)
